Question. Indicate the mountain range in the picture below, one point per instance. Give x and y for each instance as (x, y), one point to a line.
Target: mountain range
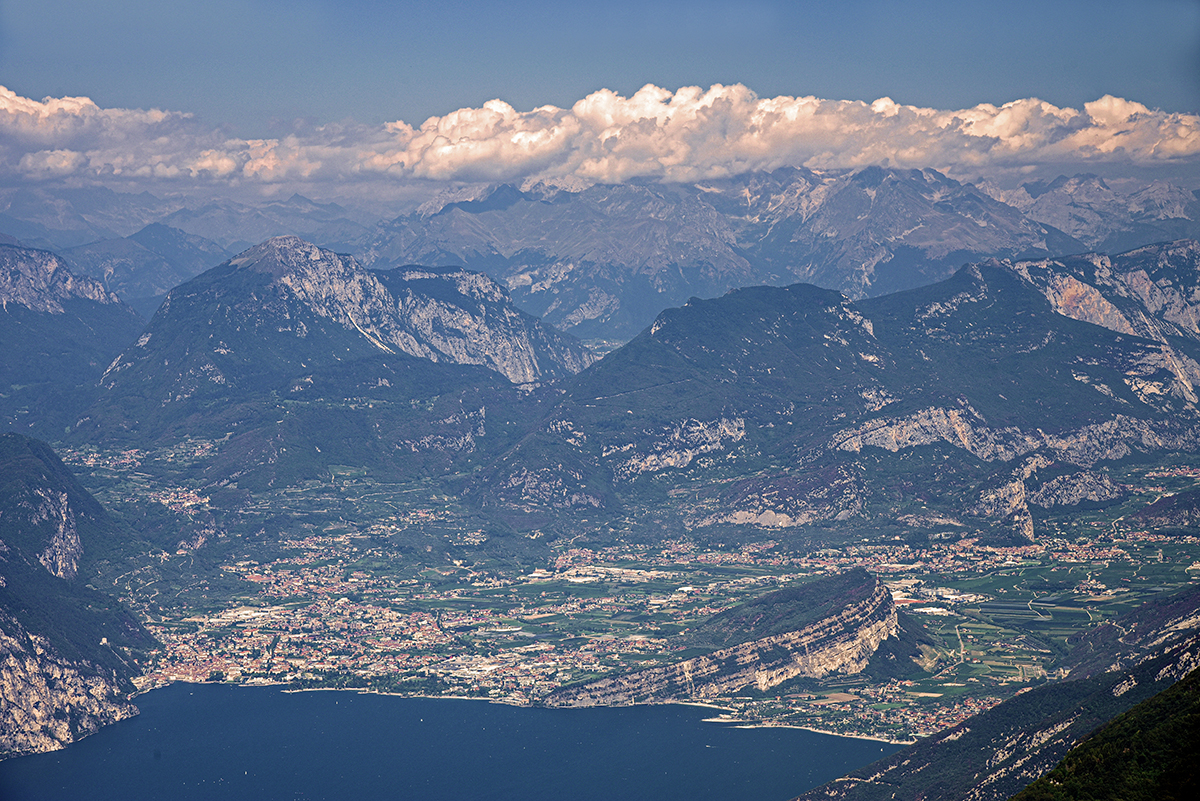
(297, 357)
(601, 261)
(966, 400)
(909, 396)
(778, 408)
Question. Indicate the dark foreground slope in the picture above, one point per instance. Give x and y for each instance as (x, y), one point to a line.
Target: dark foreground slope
(996, 753)
(1145, 754)
(67, 651)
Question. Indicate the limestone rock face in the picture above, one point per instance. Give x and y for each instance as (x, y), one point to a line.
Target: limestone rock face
(1151, 292)
(46, 701)
(678, 445)
(1070, 490)
(1085, 446)
(444, 315)
(61, 555)
(67, 652)
(41, 282)
(841, 643)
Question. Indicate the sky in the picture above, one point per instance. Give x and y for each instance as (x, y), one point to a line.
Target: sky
(275, 94)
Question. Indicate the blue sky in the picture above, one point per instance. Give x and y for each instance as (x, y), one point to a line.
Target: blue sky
(254, 65)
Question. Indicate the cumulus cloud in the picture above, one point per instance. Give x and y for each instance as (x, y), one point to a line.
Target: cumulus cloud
(687, 135)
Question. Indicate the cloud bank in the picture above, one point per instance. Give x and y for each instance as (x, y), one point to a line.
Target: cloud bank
(687, 135)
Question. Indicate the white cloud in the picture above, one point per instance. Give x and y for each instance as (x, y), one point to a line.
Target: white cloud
(686, 135)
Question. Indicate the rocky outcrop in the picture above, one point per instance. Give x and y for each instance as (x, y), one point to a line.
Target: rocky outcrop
(675, 446)
(41, 282)
(444, 315)
(841, 643)
(61, 554)
(1073, 489)
(1151, 292)
(46, 701)
(965, 429)
(784, 501)
(67, 652)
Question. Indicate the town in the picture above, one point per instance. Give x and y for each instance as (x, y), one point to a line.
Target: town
(334, 606)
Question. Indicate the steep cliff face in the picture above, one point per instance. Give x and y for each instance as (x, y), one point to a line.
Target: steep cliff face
(48, 701)
(838, 643)
(467, 318)
(67, 652)
(1152, 292)
(42, 282)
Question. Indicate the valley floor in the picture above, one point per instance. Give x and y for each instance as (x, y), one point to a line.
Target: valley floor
(335, 603)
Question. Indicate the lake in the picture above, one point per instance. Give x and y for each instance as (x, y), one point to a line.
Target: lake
(213, 741)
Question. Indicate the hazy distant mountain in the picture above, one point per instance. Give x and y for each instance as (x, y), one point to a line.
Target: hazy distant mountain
(780, 407)
(64, 218)
(60, 331)
(237, 226)
(1104, 219)
(307, 359)
(68, 651)
(58, 219)
(601, 262)
(143, 267)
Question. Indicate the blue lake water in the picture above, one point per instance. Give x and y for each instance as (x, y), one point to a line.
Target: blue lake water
(212, 742)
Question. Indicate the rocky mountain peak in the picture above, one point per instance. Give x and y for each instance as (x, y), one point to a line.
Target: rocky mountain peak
(1102, 217)
(280, 256)
(298, 305)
